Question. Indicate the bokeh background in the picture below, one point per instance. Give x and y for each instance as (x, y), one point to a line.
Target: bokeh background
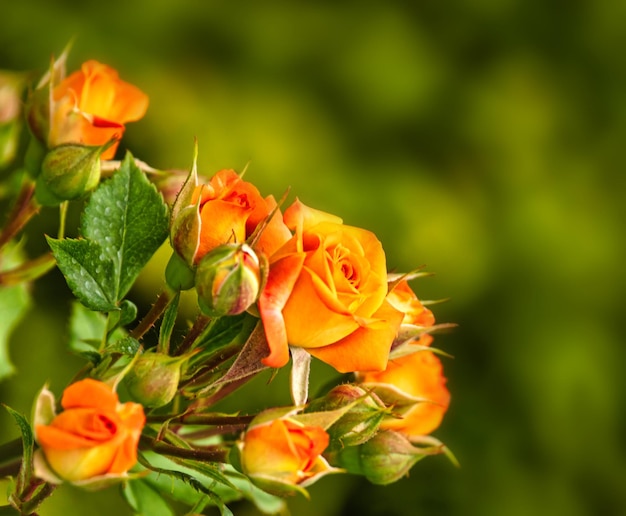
(484, 139)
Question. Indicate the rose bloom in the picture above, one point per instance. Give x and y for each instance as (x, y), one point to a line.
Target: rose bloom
(94, 435)
(417, 375)
(229, 209)
(326, 292)
(92, 105)
(284, 451)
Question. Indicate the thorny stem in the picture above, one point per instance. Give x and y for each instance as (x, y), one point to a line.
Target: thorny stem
(222, 393)
(43, 492)
(218, 430)
(209, 366)
(153, 315)
(23, 210)
(207, 454)
(196, 330)
(201, 419)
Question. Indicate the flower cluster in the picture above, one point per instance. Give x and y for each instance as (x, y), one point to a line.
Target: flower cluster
(278, 285)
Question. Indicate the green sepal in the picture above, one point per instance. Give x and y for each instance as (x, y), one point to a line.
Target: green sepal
(178, 275)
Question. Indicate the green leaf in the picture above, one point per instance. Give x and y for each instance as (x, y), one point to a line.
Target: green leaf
(28, 442)
(167, 326)
(14, 302)
(125, 346)
(86, 329)
(222, 332)
(187, 485)
(145, 499)
(117, 320)
(128, 218)
(87, 270)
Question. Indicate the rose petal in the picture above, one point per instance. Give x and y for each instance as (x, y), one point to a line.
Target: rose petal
(278, 288)
(367, 348)
(89, 393)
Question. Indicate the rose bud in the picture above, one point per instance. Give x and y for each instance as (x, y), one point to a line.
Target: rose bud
(93, 440)
(385, 458)
(90, 106)
(282, 456)
(153, 379)
(68, 172)
(364, 412)
(228, 280)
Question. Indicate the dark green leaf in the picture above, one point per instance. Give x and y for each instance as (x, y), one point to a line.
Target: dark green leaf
(181, 484)
(28, 442)
(127, 313)
(125, 346)
(222, 332)
(128, 218)
(88, 271)
(167, 326)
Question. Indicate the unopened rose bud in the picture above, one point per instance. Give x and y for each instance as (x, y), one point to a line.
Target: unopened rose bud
(68, 172)
(153, 379)
(360, 421)
(385, 458)
(228, 280)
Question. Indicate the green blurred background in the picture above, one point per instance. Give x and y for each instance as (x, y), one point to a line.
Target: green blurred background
(483, 139)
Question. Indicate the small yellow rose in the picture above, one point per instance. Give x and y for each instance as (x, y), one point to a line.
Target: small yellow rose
(95, 434)
(284, 452)
(92, 105)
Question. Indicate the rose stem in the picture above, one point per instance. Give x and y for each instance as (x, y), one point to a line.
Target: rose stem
(21, 213)
(153, 314)
(196, 330)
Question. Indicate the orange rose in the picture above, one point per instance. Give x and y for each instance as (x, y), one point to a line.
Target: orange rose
(95, 435)
(92, 105)
(418, 376)
(326, 292)
(284, 453)
(226, 210)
